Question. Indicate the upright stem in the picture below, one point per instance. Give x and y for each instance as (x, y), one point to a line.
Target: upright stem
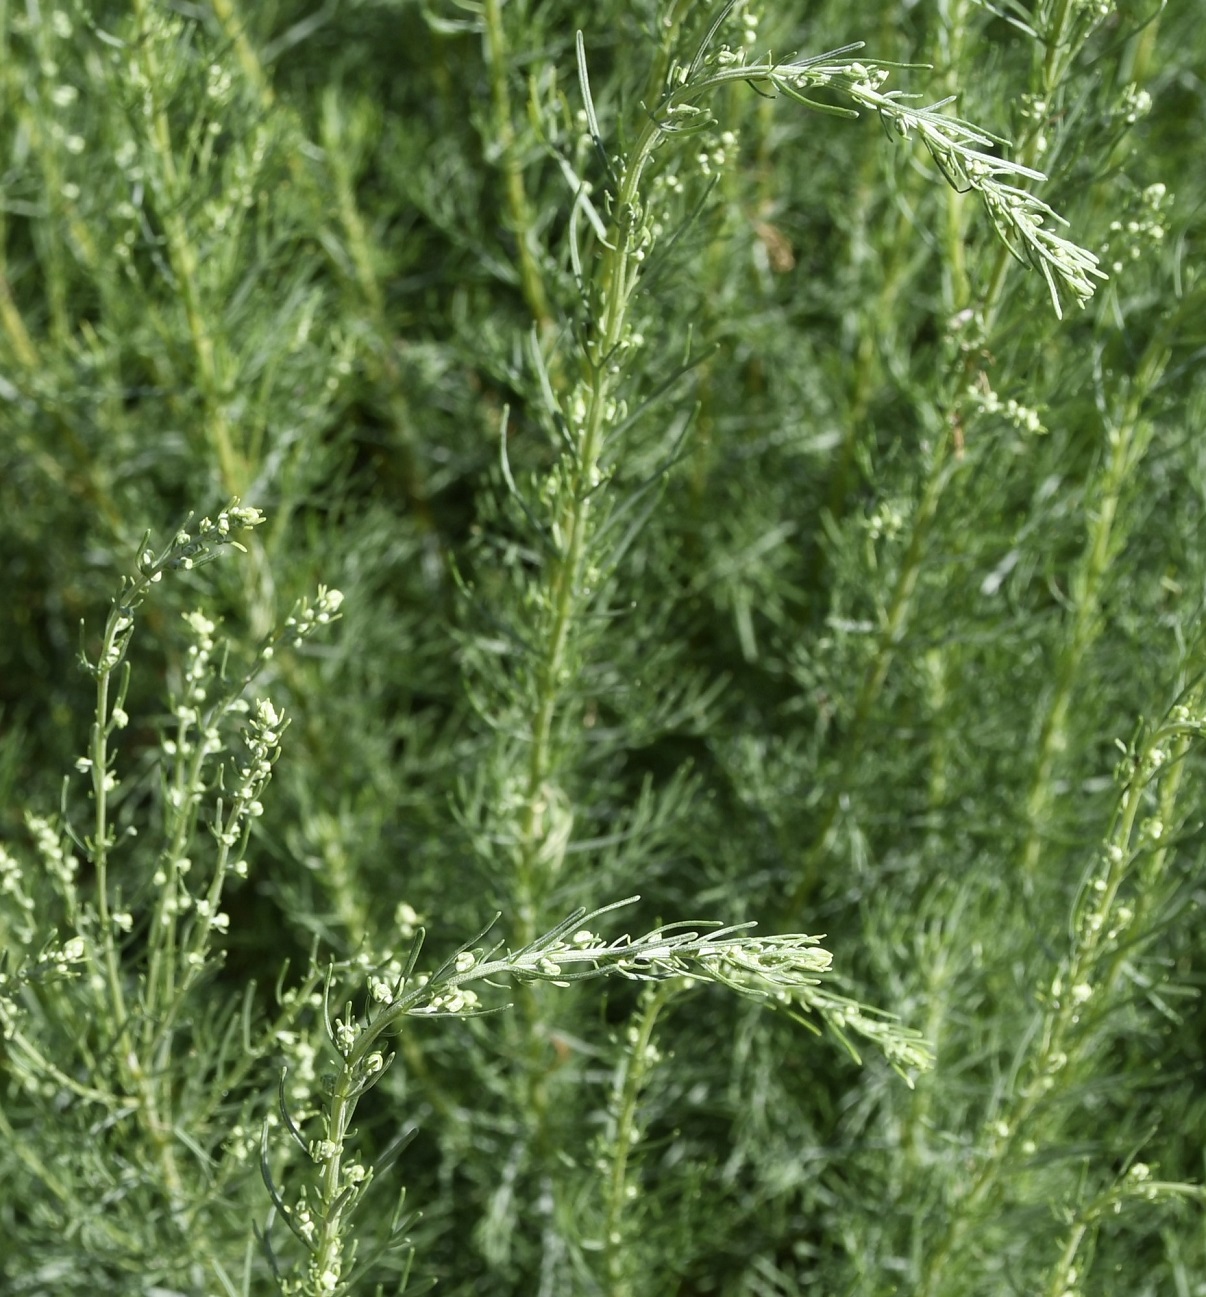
(571, 527)
(128, 1045)
(891, 635)
(234, 28)
(1048, 77)
(587, 412)
(519, 208)
(637, 1059)
(1087, 979)
(116, 630)
(1127, 441)
(185, 263)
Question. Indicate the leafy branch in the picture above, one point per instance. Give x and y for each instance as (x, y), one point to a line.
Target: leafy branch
(782, 972)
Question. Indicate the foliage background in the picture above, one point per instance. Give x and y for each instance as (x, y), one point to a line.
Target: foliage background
(888, 565)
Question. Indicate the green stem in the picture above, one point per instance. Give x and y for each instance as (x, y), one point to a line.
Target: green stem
(234, 29)
(941, 470)
(185, 264)
(1128, 442)
(130, 1051)
(1097, 961)
(891, 635)
(572, 526)
(519, 208)
(111, 652)
(327, 1255)
(637, 1059)
(390, 379)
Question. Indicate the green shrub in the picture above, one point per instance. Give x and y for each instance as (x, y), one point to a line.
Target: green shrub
(740, 511)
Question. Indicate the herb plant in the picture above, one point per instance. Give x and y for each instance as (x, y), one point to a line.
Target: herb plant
(757, 449)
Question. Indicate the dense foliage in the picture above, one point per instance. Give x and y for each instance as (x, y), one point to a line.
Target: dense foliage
(463, 460)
